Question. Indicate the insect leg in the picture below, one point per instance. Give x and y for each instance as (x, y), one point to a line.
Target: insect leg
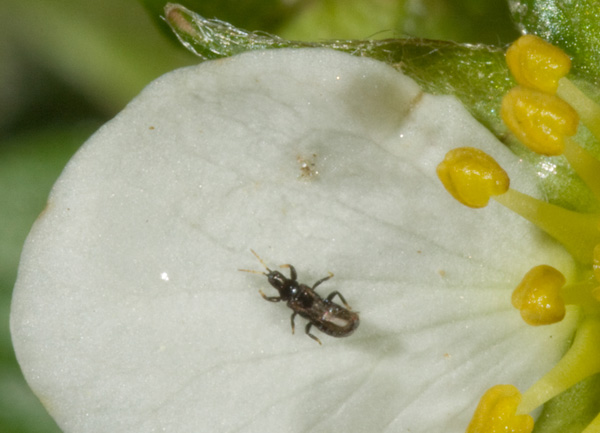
(322, 280)
(292, 320)
(308, 325)
(333, 294)
(293, 275)
(269, 298)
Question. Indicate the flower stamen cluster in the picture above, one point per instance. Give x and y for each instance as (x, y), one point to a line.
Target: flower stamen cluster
(544, 112)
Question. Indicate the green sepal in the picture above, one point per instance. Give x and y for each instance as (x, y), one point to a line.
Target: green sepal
(257, 14)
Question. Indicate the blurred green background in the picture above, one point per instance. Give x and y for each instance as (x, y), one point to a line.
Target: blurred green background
(68, 66)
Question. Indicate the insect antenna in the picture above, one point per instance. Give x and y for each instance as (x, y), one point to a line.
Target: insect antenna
(261, 262)
(252, 272)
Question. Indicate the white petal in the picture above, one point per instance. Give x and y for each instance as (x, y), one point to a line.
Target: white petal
(130, 315)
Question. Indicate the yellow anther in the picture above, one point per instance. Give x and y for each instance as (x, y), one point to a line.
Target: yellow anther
(472, 176)
(496, 412)
(537, 64)
(538, 296)
(539, 120)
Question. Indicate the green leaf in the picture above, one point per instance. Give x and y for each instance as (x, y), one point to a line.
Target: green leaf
(574, 26)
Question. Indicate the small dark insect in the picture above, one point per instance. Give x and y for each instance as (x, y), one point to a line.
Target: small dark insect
(326, 315)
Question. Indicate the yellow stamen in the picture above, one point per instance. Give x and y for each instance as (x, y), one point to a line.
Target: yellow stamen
(472, 176)
(577, 232)
(539, 120)
(496, 412)
(582, 295)
(586, 166)
(596, 262)
(594, 426)
(544, 122)
(588, 110)
(581, 360)
(537, 64)
(538, 296)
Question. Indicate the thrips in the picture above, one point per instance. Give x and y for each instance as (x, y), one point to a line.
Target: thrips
(329, 317)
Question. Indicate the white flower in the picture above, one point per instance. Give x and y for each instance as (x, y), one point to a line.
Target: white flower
(130, 315)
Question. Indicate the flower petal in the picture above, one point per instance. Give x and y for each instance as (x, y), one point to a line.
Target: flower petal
(130, 314)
